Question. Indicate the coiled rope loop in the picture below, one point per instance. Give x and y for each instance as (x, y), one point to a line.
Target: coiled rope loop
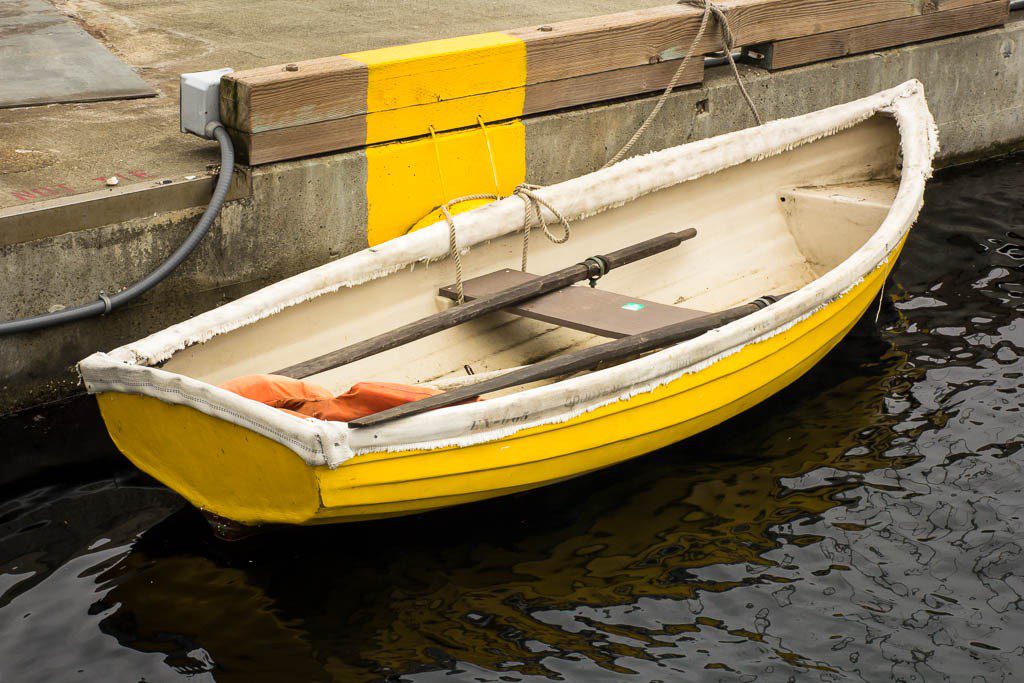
(533, 214)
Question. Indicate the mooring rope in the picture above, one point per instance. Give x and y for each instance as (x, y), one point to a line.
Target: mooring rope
(534, 204)
(710, 9)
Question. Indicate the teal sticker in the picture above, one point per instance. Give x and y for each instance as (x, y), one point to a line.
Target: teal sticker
(633, 306)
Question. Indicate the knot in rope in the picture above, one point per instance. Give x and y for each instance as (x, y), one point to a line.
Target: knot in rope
(533, 214)
(723, 22)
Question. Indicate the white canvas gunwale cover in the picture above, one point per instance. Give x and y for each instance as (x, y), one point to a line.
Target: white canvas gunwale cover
(128, 369)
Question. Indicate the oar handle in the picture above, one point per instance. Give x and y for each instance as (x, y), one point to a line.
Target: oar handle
(642, 250)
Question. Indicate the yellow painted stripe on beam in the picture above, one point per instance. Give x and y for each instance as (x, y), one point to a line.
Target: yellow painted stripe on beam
(442, 83)
(409, 75)
(445, 85)
(396, 124)
(403, 187)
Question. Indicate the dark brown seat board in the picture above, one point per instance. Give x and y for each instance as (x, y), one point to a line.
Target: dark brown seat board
(579, 307)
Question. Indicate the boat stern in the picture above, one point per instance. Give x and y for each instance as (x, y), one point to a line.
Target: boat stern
(219, 467)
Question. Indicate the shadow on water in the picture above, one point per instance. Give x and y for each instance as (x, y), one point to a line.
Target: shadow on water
(862, 525)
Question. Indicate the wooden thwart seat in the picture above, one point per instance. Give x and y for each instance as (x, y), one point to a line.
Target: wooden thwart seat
(579, 307)
(501, 299)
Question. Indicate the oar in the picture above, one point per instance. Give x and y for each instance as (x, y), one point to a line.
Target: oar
(585, 359)
(594, 267)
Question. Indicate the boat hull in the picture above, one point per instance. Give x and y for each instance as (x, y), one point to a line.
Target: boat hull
(192, 452)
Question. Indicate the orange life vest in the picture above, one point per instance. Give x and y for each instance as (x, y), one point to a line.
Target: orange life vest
(306, 399)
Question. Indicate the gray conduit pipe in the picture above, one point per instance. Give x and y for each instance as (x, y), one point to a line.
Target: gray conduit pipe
(108, 303)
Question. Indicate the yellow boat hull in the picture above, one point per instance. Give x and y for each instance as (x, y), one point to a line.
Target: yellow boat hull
(233, 472)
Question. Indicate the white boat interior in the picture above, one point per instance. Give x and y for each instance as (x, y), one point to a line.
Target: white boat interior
(764, 227)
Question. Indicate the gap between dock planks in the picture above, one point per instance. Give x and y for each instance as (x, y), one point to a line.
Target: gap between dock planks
(944, 22)
(363, 98)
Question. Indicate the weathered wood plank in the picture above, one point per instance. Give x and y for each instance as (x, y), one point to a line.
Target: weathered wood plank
(349, 132)
(331, 87)
(275, 97)
(614, 41)
(608, 85)
(299, 141)
(588, 309)
(943, 5)
(805, 50)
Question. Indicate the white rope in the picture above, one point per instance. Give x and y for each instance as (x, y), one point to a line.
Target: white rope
(533, 214)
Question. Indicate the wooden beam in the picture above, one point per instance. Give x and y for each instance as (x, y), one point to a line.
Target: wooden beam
(275, 97)
(335, 87)
(815, 48)
(335, 103)
(587, 309)
(351, 131)
(608, 85)
(943, 5)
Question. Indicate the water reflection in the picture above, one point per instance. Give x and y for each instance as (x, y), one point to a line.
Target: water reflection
(863, 525)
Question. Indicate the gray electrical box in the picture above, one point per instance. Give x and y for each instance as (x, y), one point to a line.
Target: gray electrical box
(200, 101)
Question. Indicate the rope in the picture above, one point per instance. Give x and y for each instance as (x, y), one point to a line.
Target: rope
(437, 158)
(533, 214)
(710, 9)
(453, 247)
(490, 154)
(533, 204)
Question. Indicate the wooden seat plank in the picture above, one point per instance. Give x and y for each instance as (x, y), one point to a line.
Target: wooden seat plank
(579, 307)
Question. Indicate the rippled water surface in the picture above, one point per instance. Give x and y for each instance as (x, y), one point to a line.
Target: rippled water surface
(865, 524)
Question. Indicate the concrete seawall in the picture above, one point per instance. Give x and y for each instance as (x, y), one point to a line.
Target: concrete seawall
(292, 216)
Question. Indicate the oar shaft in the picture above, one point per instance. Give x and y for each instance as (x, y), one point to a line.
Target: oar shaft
(565, 364)
(478, 307)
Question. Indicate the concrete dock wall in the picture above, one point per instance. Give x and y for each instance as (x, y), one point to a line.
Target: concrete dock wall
(296, 215)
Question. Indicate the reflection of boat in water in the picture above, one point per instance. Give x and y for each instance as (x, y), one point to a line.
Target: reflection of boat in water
(468, 582)
(818, 205)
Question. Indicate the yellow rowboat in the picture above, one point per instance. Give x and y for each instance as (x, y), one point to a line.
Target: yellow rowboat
(817, 206)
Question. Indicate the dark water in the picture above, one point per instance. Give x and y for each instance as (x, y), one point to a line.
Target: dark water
(865, 524)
